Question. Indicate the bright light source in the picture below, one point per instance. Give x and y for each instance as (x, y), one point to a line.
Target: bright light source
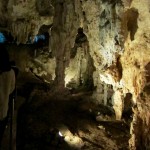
(60, 134)
(39, 37)
(72, 140)
(2, 38)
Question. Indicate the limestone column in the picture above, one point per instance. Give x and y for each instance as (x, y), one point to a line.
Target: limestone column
(118, 104)
(65, 25)
(58, 42)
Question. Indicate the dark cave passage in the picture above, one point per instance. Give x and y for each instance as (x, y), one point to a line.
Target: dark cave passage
(48, 120)
(84, 74)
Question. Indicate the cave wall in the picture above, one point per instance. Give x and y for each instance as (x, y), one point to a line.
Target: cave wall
(118, 33)
(65, 24)
(23, 18)
(103, 22)
(135, 62)
(40, 66)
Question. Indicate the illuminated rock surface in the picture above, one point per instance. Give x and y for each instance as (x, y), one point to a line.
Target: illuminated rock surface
(111, 61)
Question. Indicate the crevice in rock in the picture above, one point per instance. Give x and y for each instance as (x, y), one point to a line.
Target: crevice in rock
(132, 24)
(127, 111)
(147, 69)
(119, 66)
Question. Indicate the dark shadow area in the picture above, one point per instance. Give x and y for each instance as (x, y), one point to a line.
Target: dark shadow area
(127, 112)
(80, 38)
(147, 68)
(132, 24)
(44, 112)
(119, 66)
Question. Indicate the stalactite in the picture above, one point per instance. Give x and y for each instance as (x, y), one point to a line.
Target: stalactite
(59, 37)
(20, 31)
(63, 35)
(118, 105)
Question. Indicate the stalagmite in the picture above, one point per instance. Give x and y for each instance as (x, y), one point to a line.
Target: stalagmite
(63, 32)
(113, 56)
(118, 104)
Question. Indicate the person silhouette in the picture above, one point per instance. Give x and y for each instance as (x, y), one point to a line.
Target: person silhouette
(7, 86)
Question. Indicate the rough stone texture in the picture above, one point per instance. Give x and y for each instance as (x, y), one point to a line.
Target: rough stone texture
(118, 104)
(118, 33)
(135, 72)
(41, 65)
(77, 68)
(103, 23)
(64, 29)
(23, 18)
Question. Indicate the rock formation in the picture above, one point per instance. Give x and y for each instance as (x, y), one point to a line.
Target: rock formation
(114, 56)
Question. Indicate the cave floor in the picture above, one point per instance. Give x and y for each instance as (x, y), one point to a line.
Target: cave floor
(53, 121)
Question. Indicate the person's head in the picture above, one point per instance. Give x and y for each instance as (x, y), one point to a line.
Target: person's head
(4, 59)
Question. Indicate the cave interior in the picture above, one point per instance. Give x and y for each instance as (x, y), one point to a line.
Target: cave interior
(84, 74)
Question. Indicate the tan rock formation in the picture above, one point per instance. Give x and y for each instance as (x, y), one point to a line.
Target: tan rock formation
(23, 18)
(135, 72)
(118, 34)
(122, 28)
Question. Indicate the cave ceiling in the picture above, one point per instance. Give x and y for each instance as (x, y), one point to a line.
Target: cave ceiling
(24, 18)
